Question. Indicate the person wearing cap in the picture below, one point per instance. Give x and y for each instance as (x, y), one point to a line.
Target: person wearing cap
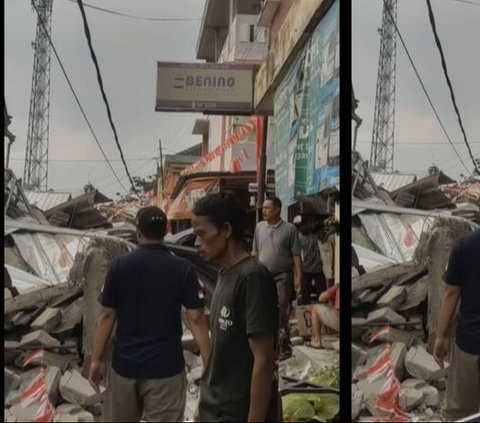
(311, 261)
(143, 295)
(276, 245)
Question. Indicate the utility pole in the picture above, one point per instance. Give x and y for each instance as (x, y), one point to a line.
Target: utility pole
(160, 168)
(381, 153)
(35, 174)
(262, 170)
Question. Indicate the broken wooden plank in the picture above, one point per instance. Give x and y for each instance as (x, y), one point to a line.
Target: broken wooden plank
(33, 298)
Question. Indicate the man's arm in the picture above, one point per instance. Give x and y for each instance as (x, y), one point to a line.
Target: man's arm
(262, 347)
(298, 273)
(105, 325)
(327, 295)
(198, 325)
(445, 315)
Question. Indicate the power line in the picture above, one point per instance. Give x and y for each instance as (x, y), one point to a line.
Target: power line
(449, 83)
(423, 87)
(468, 2)
(144, 18)
(434, 144)
(75, 95)
(104, 96)
(18, 159)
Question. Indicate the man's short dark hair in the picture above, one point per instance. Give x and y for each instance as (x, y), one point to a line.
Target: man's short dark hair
(222, 208)
(275, 201)
(151, 222)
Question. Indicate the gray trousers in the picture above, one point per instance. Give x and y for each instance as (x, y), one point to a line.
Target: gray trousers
(285, 288)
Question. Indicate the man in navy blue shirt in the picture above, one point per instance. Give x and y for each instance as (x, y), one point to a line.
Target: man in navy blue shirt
(143, 294)
(463, 284)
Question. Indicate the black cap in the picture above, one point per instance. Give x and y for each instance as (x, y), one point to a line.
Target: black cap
(151, 222)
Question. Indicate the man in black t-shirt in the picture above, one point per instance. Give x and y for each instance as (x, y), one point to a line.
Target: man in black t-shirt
(239, 383)
(463, 284)
(143, 294)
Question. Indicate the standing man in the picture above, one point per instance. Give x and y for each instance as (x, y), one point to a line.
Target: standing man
(311, 261)
(239, 383)
(327, 250)
(143, 294)
(276, 244)
(463, 284)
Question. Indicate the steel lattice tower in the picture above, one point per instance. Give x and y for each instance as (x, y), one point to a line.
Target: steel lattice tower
(35, 173)
(381, 154)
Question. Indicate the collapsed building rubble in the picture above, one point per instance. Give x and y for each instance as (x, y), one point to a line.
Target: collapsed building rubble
(397, 291)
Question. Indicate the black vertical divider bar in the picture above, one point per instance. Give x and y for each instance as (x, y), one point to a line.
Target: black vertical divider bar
(345, 210)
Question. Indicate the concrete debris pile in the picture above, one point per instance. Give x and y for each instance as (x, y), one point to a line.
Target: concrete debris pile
(400, 255)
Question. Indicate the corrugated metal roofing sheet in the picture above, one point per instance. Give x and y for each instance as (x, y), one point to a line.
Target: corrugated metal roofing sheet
(47, 200)
(392, 181)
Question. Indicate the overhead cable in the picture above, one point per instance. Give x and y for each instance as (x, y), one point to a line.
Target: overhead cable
(423, 86)
(104, 96)
(143, 18)
(449, 83)
(75, 95)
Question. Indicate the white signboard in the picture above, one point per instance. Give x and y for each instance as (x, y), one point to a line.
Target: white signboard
(199, 87)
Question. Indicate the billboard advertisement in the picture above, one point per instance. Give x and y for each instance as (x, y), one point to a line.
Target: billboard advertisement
(200, 87)
(306, 109)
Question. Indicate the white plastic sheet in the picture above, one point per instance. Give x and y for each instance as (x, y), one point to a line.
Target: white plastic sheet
(24, 281)
(370, 260)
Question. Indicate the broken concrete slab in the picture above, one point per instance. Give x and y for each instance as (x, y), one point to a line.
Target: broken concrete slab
(413, 383)
(385, 315)
(39, 338)
(421, 365)
(72, 315)
(371, 405)
(52, 382)
(11, 381)
(396, 335)
(25, 414)
(8, 416)
(44, 358)
(75, 389)
(31, 299)
(397, 357)
(394, 297)
(319, 358)
(14, 397)
(361, 372)
(409, 399)
(72, 413)
(371, 389)
(357, 403)
(47, 321)
(359, 356)
(430, 394)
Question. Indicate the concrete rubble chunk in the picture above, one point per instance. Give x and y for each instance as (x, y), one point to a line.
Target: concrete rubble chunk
(394, 297)
(11, 381)
(318, 358)
(75, 389)
(357, 401)
(296, 340)
(413, 383)
(430, 394)
(397, 335)
(8, 416)
(328, 341)
(359, 356)
(48, 320)
(8, 294)
(397, 357)
(13, 398)
(45, 358)
(371, 389)
(371, 405)
(72, 413)
(191, 360)
(385, 315)
(195, 374)
(360, 373)
(421, 365)
(39, 338)
(409, 399)
(24, 414)
(52, 383)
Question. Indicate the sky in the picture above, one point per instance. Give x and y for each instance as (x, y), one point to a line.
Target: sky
(419, 139)
(127, 51)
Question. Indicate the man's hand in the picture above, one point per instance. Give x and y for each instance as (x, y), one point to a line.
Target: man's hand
(440, 350)
(96, 374)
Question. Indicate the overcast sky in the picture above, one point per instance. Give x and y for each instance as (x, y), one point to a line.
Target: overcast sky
(127, 51)
(419, 139)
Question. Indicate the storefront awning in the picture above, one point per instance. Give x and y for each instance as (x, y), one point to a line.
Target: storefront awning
(181, 207)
